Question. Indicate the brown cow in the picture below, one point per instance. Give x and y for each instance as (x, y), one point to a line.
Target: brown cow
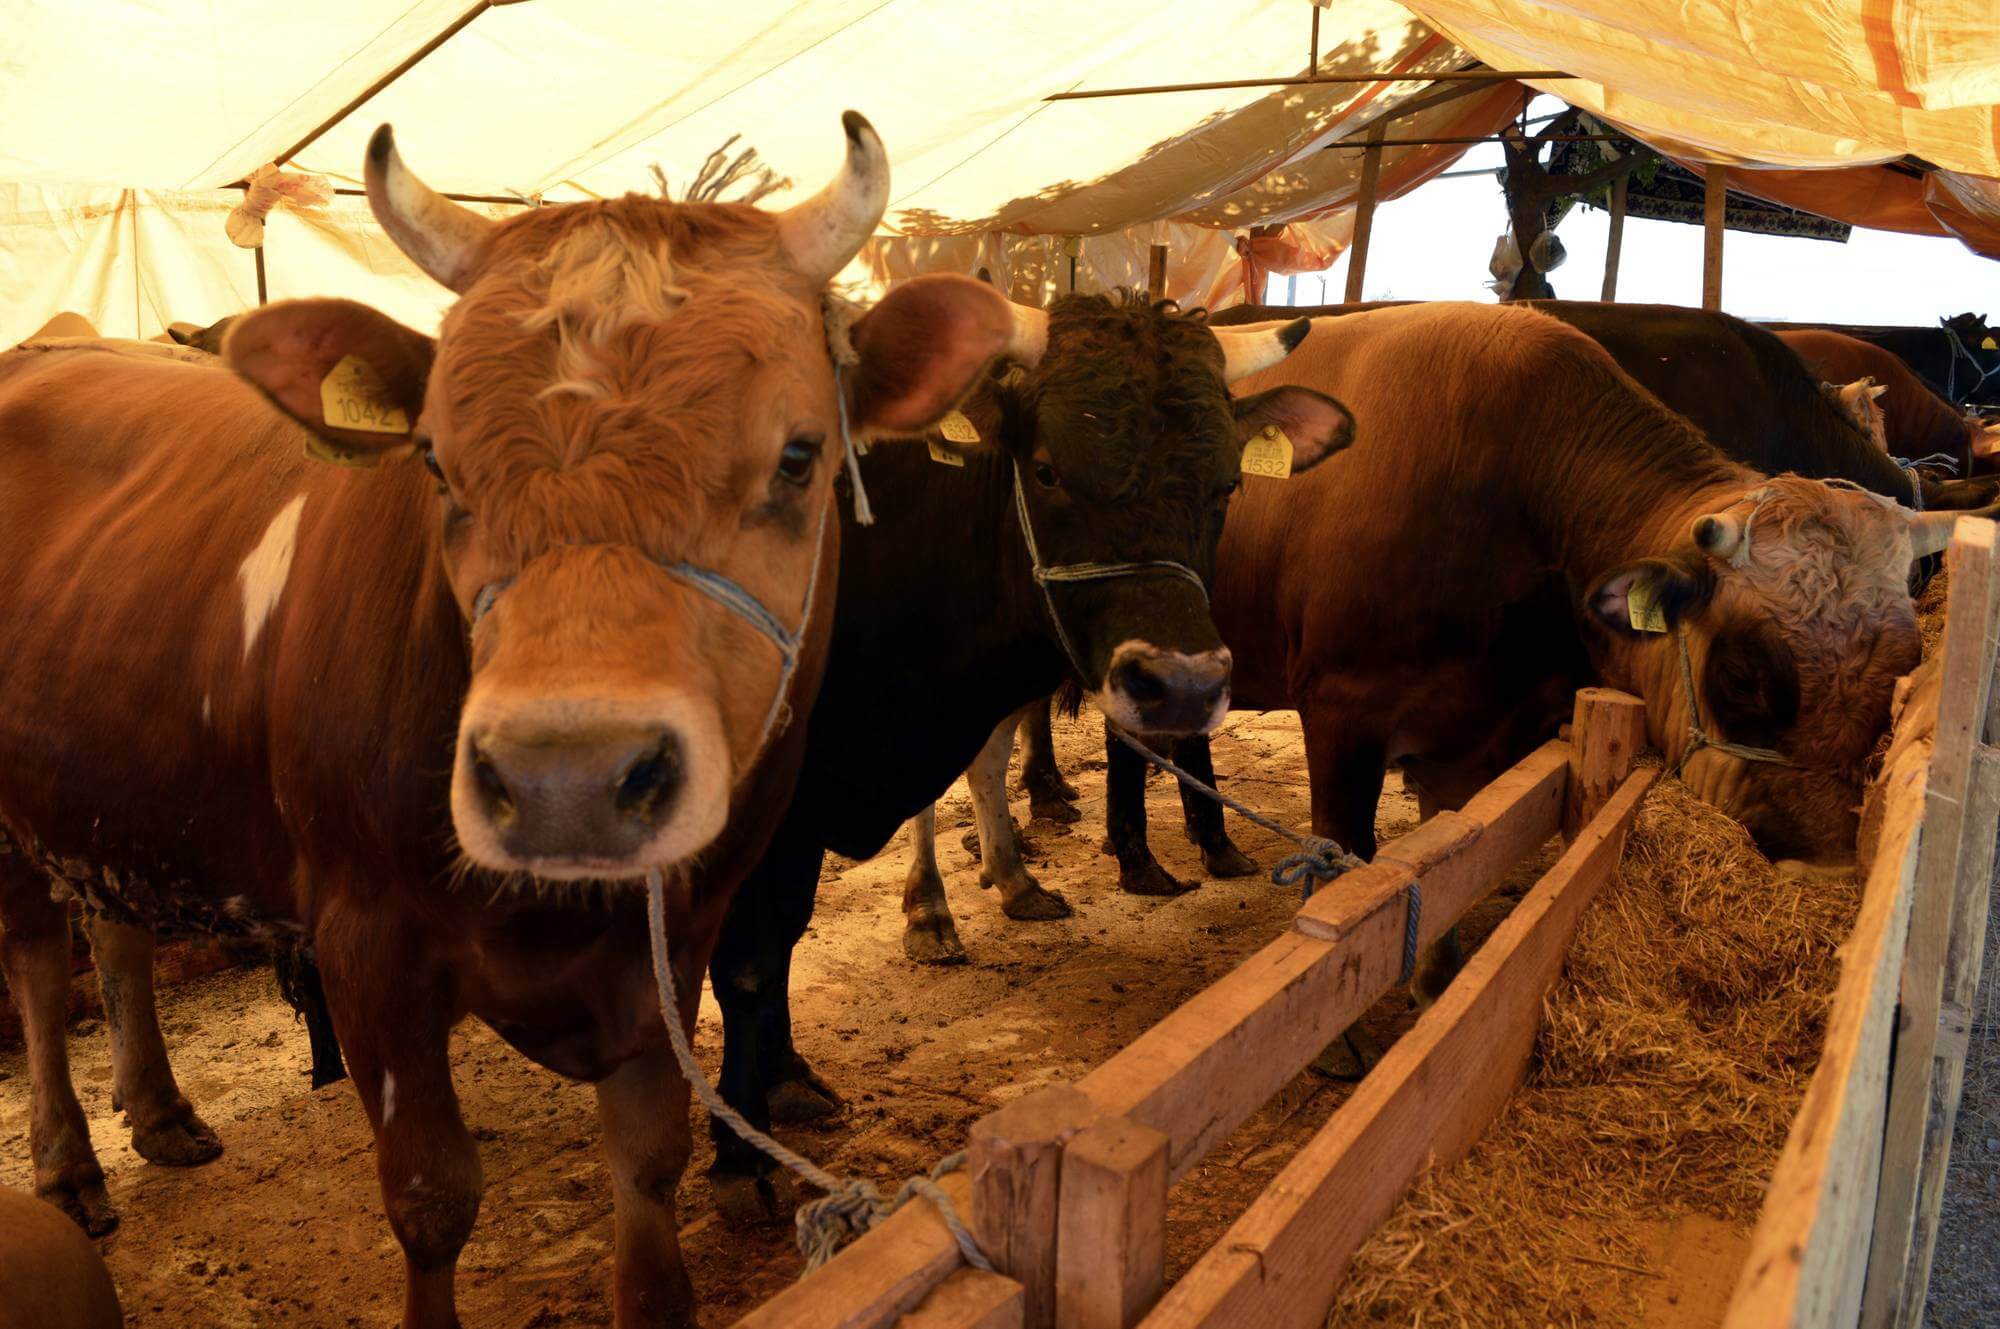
(246, 693)
(51, 1277)
(1917, 422)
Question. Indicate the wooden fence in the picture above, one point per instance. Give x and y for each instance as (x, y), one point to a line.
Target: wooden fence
(1066, 1188)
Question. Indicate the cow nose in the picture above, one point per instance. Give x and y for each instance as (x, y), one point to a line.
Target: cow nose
(1168, 692)
(576, 798)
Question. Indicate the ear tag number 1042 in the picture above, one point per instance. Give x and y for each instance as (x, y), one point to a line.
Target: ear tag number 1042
(1269, 453)
(353, 396)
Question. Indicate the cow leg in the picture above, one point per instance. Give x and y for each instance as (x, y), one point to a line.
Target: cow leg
(1050, 797)
(1139, 873)
(165, 1129)
(1203, 815)
(643, 1108)
(1442, 959)
(34, 950)
(1021, 896)
(392, 1009)
(930, 936)
(1346, 778)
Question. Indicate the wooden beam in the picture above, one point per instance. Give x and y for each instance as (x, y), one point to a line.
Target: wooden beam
(1428, 1100)
(969, 1299)
(263, 291)
(1156, 272)
(1713, 203)
(1607, 730)
(1364, 217)
(1015, 1158)
(1616, 244)
(1111, 1251)
(1390, 76)
(878, 1278)
(1809, 1251)
(1201, 1071)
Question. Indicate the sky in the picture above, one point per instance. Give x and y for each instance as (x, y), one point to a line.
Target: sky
(1434, 243)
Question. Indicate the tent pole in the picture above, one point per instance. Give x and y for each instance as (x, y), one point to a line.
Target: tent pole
(263, 295)
(1712, 203)
(1389, 76)
(1156, 268)
(1617, 241)
(1364, 217)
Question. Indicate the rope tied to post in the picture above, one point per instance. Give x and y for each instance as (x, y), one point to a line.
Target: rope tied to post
(851, 1205)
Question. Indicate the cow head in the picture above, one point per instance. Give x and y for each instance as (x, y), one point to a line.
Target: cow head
(1793, 605)
(1128, 445)
(625, 391)
(1861, 403)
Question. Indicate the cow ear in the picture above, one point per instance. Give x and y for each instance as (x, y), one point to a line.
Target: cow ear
(353, 377)
(921, 348)
(1318, 425)
(1651, 595)
(1750, 683)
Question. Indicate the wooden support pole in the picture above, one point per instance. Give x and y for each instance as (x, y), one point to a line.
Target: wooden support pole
(1617, 242)
(1607, 730)
(1712, 207)
(1111, 1247)
(1015, 1157)
(263, 293)
(1156, 272)
(1364, 217)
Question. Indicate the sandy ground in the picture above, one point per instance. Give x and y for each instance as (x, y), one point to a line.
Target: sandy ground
(286, 1228)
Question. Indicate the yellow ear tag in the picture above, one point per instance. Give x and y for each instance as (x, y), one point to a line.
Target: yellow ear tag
(1270, 453)
(353, 396)
(957, 428)
(1643, 609)
(942, 454)
(1989, 345)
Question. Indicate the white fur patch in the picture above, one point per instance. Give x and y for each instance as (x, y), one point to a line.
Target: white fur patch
(263, 573)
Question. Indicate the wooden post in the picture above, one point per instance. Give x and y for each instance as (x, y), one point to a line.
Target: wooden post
(1015, 1157)
(1364, 217)
(1156, 272)
(1111, 1247)
(1606, 733)
(1712, 204)
(1617, 241)
(263, 295)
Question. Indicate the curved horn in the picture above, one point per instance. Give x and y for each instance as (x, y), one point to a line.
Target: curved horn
(1031, 334)
(821, 234)
(439, 236)
(1244, 352)
(1930, 532)
(1718, 534)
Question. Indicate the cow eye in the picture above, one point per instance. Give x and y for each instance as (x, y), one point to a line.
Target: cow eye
(1227, 488)
(431, 464)
(800, 455)
(1046, 475)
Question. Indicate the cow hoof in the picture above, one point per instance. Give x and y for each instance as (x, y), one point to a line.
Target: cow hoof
(1054, 809)
(86, 1204)
(933, 940)
(179, 1140)
(1227, 860)
(1152, 879)
(1035, 905)
(1349, 1057)
(794, 1101)
(748, 1201)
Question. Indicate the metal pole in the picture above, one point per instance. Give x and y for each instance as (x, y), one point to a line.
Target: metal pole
(1617, 242)
(1364, 217)
(1712, 203)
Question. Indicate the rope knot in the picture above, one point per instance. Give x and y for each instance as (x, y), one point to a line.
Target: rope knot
(1317, 861)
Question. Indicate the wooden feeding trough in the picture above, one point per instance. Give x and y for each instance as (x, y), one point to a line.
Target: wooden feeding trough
(1066, 1188)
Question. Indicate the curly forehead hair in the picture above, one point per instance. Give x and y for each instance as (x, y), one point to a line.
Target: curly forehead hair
(1135, 320)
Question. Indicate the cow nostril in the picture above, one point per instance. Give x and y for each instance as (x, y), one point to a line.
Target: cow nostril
(650, 781)
(492, 789)
(1138, 682)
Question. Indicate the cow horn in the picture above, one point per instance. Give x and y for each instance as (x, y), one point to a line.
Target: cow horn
(1718, 534)
(441, 237)
(1031, 334)
(1930, 532)
(1245, 352)
(823, 233)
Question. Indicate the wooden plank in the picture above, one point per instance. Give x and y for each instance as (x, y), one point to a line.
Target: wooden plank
(1713, 201)
(1430, 1098)
(1156, 272)
(969, 1299)
(1015, 1157)
(1938, 905)
(1111, 1253)
(1364, 216)
(1198, 1073)
(878, 1278)
(1807, 1255)
(1616, 244)
(1607, 730)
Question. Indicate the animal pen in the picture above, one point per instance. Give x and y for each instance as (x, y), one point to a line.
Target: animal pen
(1065, 1189)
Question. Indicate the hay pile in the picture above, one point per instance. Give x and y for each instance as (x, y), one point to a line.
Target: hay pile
(1674, 1053)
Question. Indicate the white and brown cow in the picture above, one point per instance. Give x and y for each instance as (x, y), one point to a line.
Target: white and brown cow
(247, 692)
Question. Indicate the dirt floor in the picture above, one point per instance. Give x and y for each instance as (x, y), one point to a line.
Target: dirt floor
(286, 1227)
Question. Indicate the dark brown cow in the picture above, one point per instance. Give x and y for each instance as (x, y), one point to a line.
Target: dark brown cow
(51, 1277)
(1917, 423)
(248, 693)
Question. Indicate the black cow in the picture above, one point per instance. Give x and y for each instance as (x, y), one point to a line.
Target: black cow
(1121, 445)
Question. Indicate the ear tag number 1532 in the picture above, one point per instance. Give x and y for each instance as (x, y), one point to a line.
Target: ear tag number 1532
(1269, 453)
